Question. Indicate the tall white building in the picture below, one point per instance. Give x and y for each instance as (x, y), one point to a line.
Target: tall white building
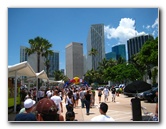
(74, 60)
(96, 41)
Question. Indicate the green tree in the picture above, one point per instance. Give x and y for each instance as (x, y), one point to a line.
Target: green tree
(92, 76)
(137, 64)
(102, 65)
(47, 64)
(47, 61)
(154, 75)
(122, 73)
(58, 75)
(93, 52)
(120, 60)
(148, 55)
(40, 46)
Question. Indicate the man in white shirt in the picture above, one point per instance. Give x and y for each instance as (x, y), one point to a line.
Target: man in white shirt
(57, 100)
(103, 117)
(106, 94)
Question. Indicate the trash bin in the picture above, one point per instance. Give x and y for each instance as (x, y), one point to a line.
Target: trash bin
(136, 109)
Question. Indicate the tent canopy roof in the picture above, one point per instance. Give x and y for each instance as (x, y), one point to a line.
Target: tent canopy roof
(22, 69)
(42, 75)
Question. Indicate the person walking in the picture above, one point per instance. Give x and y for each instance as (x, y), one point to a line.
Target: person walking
(113, 90)
(106, 94)
(103, 116)
(69, 102)
(93, 96)
(87, 102)
(46, 110)
(82, 97)
(57, 100)
(99, 95)
(25, 113)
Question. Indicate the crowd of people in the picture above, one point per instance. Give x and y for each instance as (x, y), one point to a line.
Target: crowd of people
(47, 105)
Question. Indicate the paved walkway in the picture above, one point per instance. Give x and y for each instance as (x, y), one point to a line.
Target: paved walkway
(119, 110)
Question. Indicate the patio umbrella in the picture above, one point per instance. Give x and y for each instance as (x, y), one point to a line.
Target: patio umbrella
(137, 87)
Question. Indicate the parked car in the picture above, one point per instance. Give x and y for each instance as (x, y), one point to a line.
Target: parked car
(129, 94)
(116, 87)
(149, 95)
(101, 88)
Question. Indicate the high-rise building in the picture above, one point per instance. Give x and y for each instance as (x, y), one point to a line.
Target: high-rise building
(110, 55)
(96, 41)
(74, 60)
(54, 63)
(84, 64)
(120, 51)
(135, 44)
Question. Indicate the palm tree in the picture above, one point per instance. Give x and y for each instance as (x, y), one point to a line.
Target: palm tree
(58, 75)
(40, 46)
(93, 52)
(47, 62)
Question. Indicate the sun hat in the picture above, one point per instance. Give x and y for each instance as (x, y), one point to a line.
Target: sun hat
(46, 106)
(28, 103)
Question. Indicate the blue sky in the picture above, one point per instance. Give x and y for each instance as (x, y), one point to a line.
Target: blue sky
(61, 26)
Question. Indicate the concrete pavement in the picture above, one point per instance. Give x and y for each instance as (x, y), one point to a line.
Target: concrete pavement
(120, 110)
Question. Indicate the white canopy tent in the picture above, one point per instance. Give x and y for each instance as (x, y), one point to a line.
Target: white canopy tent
(24, 69)
(20, 69)
(42, 75)
(52, 81)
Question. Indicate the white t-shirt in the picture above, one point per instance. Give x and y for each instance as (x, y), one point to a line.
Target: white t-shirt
(102, 118)
(57, 100)
(106, 91)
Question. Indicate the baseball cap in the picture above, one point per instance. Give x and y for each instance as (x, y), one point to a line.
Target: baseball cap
(28, 103)
(46, 106)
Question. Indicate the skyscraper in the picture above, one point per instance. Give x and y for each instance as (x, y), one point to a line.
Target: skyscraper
(120, 51)
(110, 55)
(54, 63)
(74, 60)
(96, 41)
(134, 44)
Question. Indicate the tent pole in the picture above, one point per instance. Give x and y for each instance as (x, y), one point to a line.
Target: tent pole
(15, 92)
(28, 86)
(36, 89)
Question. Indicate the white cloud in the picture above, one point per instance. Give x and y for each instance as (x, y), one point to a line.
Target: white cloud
(155, 24)
(148, 26)
(123, 32)
(155, 27)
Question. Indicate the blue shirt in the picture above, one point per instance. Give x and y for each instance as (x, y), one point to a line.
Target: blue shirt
(25, 117)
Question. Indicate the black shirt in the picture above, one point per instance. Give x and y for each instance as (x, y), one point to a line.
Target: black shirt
(113, 90)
